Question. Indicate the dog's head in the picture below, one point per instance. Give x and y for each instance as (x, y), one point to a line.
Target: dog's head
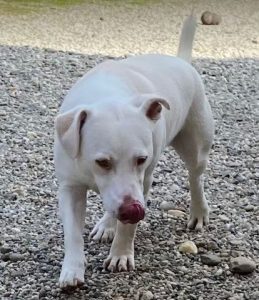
(114, 143)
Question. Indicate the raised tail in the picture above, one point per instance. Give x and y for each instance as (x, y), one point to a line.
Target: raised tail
(186, 38)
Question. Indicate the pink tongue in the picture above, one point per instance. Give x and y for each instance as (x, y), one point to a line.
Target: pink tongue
(131, 213)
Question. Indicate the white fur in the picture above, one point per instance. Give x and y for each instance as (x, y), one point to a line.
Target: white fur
(108, 114)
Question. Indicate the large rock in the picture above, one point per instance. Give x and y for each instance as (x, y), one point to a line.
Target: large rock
(210, 18)
(242, 265)
(188, 247)
(210, 259)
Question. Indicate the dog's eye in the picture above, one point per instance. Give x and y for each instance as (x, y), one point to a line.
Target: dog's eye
(104, 163)
(141, 160)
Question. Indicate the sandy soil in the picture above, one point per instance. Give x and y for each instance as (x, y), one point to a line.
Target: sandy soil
(124, 27)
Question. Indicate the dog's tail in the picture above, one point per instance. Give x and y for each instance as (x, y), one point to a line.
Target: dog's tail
(186, 38)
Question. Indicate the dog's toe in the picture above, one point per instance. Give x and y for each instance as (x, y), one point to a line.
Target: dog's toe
(71, 278)
(197, 223)
(97, 233)
(104, 230)
(72, 274)
(102, 234)
(119, 263)
(199, 217)
(108, 235)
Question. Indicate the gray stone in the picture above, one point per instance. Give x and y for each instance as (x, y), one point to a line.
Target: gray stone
(249, 208)
(15, 257)
(212, 245)
(147, 296)
(3, 113)
(219, 272)
(242, 265)
(5, 250)
(210, 259)
(166, 206)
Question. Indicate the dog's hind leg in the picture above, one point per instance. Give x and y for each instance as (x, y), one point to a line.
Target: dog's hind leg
(193, 144)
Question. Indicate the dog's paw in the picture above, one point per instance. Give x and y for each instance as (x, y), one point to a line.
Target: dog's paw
(119, 263)
(104, 230)
(199, 217)
(71, 276)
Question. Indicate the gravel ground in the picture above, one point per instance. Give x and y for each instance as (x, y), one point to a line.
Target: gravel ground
(32, 85)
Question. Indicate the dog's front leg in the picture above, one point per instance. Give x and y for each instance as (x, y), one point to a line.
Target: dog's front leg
(72, 208)
(121, 257)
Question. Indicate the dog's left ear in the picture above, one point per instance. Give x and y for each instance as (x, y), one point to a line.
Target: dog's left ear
(152, 107)
(68, 127)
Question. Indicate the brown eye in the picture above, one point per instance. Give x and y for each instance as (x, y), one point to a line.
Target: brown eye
(141, 160)
(105, 164)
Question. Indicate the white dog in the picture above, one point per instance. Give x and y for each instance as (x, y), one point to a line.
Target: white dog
(112, 127)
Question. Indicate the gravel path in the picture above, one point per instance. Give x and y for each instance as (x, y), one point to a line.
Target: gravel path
(32, 84)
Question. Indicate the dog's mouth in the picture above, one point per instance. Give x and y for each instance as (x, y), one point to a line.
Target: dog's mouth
(131, 213)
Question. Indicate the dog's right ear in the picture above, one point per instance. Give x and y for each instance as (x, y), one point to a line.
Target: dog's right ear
(68, 127)
(152, 106)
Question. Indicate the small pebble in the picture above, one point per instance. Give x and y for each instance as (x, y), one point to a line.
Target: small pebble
(188, 247)
(223, 218)
(249, 208)
(3, 113)
(212, 245)
(15, 257)
(147, 296)
(5, 249)
(166, 206)
(176, 213)
(219, 272)
(236, 242)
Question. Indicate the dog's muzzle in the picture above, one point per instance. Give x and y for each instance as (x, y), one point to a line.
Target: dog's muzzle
(131, 211)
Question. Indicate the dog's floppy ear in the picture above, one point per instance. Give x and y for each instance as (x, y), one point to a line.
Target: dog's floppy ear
(152, 107)
(68, 127)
